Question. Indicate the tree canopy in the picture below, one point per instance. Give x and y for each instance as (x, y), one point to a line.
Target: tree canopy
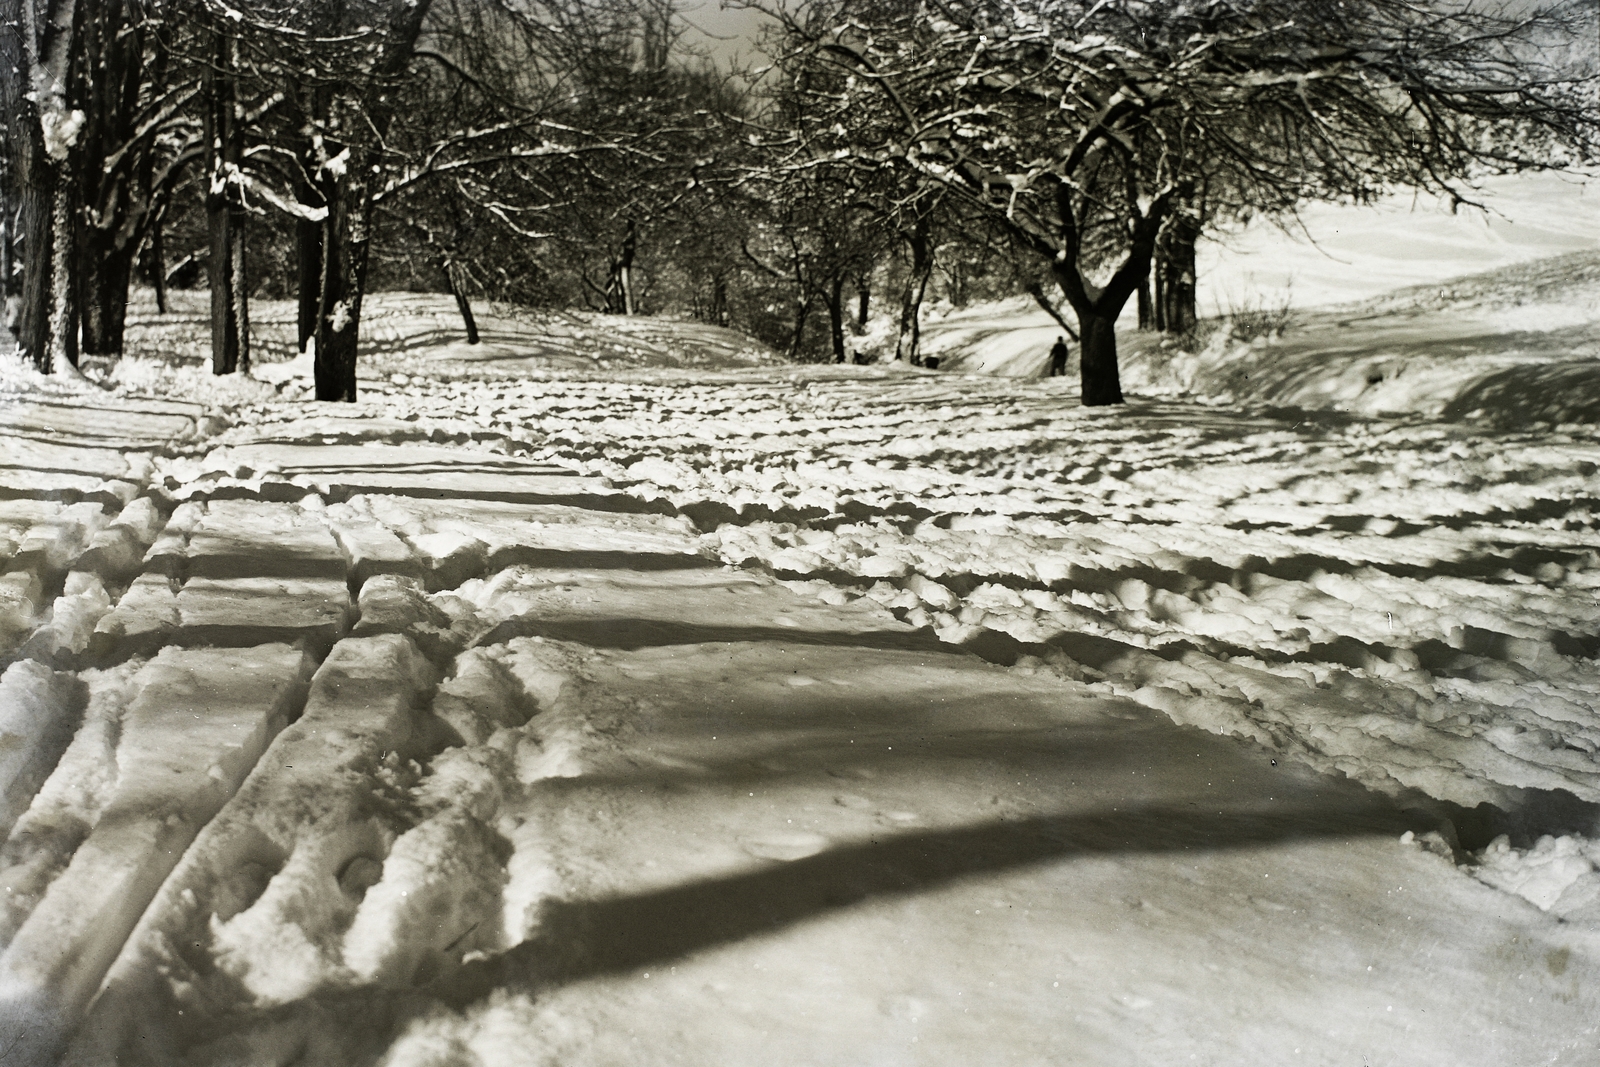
(578, 152)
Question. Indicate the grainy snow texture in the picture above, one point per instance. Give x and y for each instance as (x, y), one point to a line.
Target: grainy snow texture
(706, 710)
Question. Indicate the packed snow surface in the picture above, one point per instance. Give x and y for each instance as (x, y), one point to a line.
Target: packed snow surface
(706, 710)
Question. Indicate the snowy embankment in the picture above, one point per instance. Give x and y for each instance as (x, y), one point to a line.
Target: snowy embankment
(1515, 346)
(527, 714)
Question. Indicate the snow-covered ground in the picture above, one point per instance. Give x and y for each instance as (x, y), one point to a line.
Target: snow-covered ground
(701, 709)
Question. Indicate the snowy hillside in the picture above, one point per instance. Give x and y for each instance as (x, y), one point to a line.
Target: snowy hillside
(1516, 345)
(531, 711)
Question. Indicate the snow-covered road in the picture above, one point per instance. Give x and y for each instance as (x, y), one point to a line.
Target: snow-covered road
(794, 716)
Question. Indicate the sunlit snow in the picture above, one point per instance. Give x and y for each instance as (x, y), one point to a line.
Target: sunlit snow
(620, 694)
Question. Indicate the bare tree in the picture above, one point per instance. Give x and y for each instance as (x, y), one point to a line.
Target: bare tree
(1079, 125)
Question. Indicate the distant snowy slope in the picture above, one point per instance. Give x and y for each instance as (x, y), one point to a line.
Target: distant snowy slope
(1351, 253)
(423, 333)
(1516, 344)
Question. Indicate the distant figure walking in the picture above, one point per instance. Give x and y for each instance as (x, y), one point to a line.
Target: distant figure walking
(1058, 358)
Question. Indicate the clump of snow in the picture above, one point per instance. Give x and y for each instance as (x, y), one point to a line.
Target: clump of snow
(39, 711)
(154, 377)
(61, 129)
(1558, 874)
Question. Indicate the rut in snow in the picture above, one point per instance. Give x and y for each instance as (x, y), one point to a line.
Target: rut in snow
(334, 743)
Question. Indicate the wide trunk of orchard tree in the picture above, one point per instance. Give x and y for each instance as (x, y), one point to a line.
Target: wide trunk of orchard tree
(453, 277)
(114, 169)
(64, 304)
(1099, 377)
(225, 217)
(345, 236)
(348, 196)
(308, 276)
(37, 39)
(107, 270)
(908, 343)
(835, 298)
(1174, 272)
(34, 227)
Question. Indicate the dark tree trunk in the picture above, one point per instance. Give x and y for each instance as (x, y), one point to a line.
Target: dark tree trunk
(344, 281)
(1176, 267)
(106, 274)
(115, 173)
(156, 261)
(1097, 359)
(453, 280)
(863, 302)
(34, 180)
(308, 277)
(7, 249)
(1175, 264)
(802, 311)
(719, 301)
(1146, 310)
(346, 229)
(1158, 300)
(908, 345)
(219, 269)
(33, 320)
(1098, 308)
(308, 231)
(225, 217)
(620, 298)
(835, 298)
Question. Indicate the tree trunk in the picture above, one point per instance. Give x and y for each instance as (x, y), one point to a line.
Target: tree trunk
(802, 310)
(835, 298)
(308, 278)
(908, 344)
(346, 229)
(1146, 311)
(63, 283)
(9, 304)
(219, 270)
(344, 279)
(1175, 264)
(620, 295)
(462, 304)
(719, 301)
(224, 216)
(863, 302)
(1097, 358)
(1158, 300)
(107, 270)
(38, 211)
(157, 253)
(239, 283)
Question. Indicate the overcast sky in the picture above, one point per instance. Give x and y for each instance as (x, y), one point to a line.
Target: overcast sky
(727, 33)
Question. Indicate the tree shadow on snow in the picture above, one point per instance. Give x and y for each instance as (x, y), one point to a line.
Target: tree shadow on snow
(590, 938)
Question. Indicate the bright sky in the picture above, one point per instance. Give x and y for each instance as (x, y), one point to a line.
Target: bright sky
(727, 32)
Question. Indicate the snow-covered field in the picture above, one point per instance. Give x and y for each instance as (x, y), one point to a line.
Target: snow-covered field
(701, 709)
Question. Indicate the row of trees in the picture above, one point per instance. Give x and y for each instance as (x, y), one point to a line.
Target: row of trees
(573, 152)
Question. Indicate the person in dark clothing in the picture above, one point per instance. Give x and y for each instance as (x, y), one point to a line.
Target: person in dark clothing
(1058, 358)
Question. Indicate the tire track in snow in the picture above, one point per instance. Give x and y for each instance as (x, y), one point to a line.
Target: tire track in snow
(402, 835)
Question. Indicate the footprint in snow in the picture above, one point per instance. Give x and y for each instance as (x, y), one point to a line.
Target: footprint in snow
(784, 845)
